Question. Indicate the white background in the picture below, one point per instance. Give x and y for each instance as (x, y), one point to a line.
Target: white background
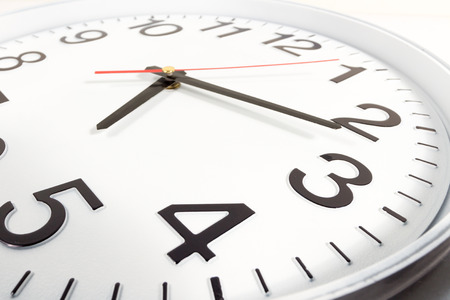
(426, 23)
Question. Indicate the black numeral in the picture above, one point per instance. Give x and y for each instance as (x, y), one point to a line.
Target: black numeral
(57, 214)
(237, 213)
(85, 37)
(280, 38)
(308, 45)
(2, 147)
(222, 24)
(2, 142)
(146, 29)
(21, 59)
(3, 98)
(352, 72)
(345, 195)
(392, 120)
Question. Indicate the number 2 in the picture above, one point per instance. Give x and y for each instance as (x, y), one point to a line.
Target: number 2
(392, 120)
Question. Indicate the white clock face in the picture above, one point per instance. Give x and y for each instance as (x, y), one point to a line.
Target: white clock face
(195, 195)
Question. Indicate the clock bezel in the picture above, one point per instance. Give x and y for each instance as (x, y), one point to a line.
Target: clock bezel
(421, 67)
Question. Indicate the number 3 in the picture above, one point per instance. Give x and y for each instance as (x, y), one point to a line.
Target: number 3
(345, 195)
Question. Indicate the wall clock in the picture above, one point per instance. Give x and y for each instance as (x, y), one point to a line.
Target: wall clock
(290, 153)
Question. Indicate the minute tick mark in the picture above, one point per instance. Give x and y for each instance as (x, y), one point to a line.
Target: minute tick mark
(409, 197)
(421, 114)
(341, 253)
(68, 289)
(262, 281)
(430, 184)
(302, 265)
(394, 214)
(428, 145)
(370, 235)
(426, 129)
(25, 278)
(116, 291)
(427, 162)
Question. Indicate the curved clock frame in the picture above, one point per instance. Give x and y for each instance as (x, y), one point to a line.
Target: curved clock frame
(388, 276)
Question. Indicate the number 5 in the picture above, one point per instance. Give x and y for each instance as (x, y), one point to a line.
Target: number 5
(57, 214)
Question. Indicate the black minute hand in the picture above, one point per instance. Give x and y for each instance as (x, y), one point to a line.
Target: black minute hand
(181, 77)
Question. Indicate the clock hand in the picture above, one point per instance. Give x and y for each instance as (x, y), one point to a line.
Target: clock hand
(147, 70)
(137, 101)
(170, 73)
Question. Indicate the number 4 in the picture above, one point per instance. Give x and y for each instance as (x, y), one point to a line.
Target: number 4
(237, 213)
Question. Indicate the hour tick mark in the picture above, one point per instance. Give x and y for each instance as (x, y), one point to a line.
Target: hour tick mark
(217, 288)
(165, 291)
(22, 282)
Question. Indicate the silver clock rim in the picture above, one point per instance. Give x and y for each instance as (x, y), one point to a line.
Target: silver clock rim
(426, 251)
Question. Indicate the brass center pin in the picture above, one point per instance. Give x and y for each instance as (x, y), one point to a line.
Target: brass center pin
(169, 70)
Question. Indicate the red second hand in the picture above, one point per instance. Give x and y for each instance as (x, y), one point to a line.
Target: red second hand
(219, 68)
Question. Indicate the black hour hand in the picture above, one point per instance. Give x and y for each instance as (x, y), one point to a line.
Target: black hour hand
(134, 103)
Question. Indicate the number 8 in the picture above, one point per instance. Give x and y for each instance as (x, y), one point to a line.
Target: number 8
(20, 60)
